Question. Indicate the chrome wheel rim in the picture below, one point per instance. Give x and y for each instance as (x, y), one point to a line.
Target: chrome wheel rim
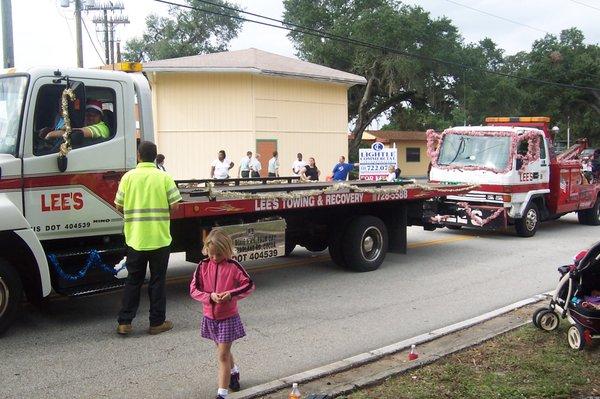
(531, 219)
(4, 296)
(371, 243)
(574, 337)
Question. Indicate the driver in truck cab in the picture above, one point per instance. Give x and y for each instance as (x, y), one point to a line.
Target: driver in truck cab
(95, 127)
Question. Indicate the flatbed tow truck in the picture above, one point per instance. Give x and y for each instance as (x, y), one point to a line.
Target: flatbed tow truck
(60, 231)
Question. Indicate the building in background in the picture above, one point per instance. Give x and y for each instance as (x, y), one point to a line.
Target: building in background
(248, 100)
(411, 145)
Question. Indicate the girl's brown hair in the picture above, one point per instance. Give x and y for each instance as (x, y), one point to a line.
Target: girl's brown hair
(221, 243)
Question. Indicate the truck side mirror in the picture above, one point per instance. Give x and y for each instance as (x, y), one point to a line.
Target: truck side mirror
(519, 163)
(62, 161)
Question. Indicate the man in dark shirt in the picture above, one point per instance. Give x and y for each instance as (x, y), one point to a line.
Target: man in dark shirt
(341, 169)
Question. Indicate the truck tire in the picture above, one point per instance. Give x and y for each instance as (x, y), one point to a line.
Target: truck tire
(11, 291)
(590, 217)
(336, 252)
(289, 247)
(365, 243)
(528, 224)
(316, 246)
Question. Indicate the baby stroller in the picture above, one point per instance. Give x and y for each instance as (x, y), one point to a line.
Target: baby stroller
(574, 301)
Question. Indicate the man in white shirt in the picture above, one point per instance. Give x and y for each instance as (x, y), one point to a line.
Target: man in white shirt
(255, 166)
(244, 170)
(298, 165)
(220, 167)
(274, 165)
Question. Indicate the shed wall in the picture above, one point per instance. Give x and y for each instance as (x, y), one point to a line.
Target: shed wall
(199, 114)
(418, 169)
(303, 116)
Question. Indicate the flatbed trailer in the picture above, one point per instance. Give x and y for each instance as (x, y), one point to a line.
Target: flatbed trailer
(357, 221)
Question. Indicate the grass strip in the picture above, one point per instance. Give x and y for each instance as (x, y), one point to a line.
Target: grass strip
(525, 363)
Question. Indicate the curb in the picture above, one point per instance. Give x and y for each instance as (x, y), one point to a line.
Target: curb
(376, 354)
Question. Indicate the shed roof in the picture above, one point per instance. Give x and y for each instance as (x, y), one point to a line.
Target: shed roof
(254, 61)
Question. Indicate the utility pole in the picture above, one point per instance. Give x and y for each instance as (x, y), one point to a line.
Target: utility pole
(105, 23)
(568, 131)
(78, 33)
(111, 33)
(108, 21)
(7, 34)
(118, 51)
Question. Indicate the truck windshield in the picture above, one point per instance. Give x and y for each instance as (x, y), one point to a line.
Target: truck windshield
(483, 151)
(12, 96)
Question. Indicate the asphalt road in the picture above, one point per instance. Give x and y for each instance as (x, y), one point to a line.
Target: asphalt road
(306, 312)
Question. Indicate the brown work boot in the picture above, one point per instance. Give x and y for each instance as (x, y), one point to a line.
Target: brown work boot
(124, 329)
(166, 326)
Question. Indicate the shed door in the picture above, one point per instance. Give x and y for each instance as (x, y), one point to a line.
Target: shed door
(265, 148)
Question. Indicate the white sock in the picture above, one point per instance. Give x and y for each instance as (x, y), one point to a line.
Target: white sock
(222, 392)
(235, 369)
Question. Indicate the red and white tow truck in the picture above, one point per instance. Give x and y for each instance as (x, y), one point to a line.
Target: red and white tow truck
(60, 231)
(521, 180)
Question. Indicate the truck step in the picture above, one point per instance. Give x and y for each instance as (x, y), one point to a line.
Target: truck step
(91, 289)
(84, 252)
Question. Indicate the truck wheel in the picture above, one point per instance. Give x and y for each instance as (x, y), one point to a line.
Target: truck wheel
(336, 252)
(590, 217)
(289, 247)
(365, 243)
(528, 224)
(11, 291)
(316, 246)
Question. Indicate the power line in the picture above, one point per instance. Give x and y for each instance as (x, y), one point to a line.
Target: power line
(91, 41)
(498, 16)
(586, 5)
(518, 23)
(322, 34)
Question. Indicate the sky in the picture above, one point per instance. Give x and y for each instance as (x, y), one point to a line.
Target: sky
(44, 32)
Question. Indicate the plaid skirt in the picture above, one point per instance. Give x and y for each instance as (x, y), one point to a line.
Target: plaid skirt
(222, 331)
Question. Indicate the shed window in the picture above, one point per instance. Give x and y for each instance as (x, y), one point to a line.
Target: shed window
(413, 154)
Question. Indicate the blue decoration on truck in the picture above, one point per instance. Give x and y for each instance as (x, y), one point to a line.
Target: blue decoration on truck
(92, 261)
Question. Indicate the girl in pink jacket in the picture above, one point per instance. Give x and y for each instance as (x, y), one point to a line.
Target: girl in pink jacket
(219, 282)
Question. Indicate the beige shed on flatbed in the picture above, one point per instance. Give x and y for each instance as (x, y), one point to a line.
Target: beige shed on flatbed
(248, 100)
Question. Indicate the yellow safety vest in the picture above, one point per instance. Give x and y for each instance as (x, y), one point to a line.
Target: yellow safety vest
(145, 193)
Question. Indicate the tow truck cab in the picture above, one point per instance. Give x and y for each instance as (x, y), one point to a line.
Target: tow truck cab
(44, 208)
(520, 179)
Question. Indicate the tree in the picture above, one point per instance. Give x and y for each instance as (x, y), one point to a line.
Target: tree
(565, 59)
(184, 32)
(394, 81)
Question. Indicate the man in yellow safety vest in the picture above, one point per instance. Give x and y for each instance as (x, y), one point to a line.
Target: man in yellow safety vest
(146, 196)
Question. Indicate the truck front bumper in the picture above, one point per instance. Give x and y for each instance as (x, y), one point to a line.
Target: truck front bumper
(467, 214)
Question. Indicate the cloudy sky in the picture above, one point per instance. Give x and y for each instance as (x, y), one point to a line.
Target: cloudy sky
(44, 32)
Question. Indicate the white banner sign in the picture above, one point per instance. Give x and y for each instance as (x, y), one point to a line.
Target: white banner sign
(375, 161)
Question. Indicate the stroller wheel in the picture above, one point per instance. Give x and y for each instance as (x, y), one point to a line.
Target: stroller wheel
(548, 320)
(536, 315)
(575, 337)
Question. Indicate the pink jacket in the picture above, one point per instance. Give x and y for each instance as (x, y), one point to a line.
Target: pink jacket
(225, 276)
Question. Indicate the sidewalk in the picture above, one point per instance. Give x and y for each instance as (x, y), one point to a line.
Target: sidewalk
(369, 368)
